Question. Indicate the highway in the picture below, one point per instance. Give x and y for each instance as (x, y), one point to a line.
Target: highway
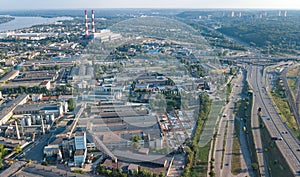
(223, 168)
(276, 127)
(263, 169)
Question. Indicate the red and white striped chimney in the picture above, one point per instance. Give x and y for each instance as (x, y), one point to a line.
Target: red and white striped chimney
(93, 22)
(86, 24)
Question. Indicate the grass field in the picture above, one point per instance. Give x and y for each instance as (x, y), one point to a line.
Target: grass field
(210, 124)
(201, 166)
(292, 84)
(294, 72)
(282, 104)
(236, 156)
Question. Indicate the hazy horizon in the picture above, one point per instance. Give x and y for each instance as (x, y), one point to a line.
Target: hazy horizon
(146, 4)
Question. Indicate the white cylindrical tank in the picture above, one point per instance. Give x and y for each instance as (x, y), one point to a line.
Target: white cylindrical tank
(38, 119)
(28, 121)
(23, 122)
(52, 118)
(47, 119)
(33, 119)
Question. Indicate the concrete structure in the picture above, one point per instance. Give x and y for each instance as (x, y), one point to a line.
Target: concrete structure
(42, 109)
(51, 150)
(46, 84)
(80, 140)
(36, 97)
(106, 35)
(36, 170)
(80, 146)
(7, 111)
(9, 76)
(93, 22)
(79, 156)
(86, 24)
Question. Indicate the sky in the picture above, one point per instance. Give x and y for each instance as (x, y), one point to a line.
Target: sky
(80, 4)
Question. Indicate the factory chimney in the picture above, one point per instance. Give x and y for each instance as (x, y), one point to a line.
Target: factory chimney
(93, 22)
(86, 24)
(17, 130)
(43, 127)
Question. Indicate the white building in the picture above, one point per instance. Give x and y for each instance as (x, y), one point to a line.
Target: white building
(79, 156)
(80, 140)
(80, 146)
(36, 97)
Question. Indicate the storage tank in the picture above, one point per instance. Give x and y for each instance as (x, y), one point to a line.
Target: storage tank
(52, 118)
(33, 119)
(38, 119)
(28, 121)
(47, 119)
(23, 122)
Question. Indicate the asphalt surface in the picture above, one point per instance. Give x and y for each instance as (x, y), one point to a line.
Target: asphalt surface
(35, 151)
(223, 168)
(289, 144)
(252, 77)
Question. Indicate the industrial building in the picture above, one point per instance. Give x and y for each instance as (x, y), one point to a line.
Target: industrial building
(72, 150)
(9, 76)
(80, 148)
(103, 35)
(43, 109)
(7, 111)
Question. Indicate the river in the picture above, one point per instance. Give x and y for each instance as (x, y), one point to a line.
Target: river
(26, 22)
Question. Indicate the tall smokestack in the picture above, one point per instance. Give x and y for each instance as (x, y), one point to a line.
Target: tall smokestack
(93, 22)
(86, 24)
(43, 127)
(17, 130)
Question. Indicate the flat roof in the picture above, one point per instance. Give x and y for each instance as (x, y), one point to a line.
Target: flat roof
(49, 171)
(136, 158)
(79, 152)
(79, 133)
(36, 107)
(20, 83)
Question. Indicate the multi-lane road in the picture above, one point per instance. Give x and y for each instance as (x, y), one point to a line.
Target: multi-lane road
(287, 143)
(223, 157)
(263, 169)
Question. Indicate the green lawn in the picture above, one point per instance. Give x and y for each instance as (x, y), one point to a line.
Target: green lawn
(282, 104)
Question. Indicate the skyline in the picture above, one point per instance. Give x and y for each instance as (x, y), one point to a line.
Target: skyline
(189, 4)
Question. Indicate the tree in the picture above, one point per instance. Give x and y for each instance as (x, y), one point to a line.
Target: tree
(18, 149)
(254, 166)
(71, 104)
(135, 138)
(135, 141)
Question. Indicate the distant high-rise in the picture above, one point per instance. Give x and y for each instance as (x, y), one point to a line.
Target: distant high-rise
(240, 14)
(232, 14)
(279, 13)
(285, 13)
